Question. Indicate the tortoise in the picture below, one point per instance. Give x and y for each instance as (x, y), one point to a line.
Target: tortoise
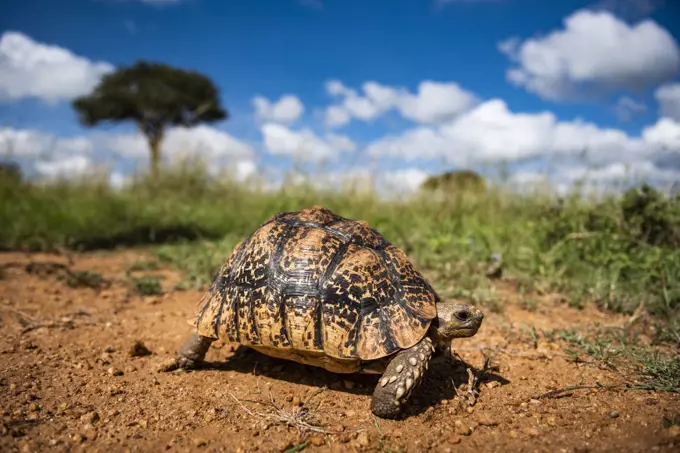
(323, 290)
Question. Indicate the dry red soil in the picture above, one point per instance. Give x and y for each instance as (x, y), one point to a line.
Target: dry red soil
(68, 382)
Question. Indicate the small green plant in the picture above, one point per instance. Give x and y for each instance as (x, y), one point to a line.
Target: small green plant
(147, 285)
(668, 422)
(78, 279)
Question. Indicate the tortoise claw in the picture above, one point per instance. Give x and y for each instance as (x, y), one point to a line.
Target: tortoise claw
(401, 377)
(190, 355)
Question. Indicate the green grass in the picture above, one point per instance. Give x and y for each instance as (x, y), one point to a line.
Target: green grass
(647, 369)
(616, 252)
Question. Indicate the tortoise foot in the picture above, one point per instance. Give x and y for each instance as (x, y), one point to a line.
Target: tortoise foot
(190, 355)
(401, 377)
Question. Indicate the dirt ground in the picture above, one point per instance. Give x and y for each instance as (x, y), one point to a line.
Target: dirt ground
(68, 382)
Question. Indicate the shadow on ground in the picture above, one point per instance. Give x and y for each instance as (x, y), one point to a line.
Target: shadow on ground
(439, 383)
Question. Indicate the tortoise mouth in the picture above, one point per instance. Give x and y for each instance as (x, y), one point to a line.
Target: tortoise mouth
(467, 330)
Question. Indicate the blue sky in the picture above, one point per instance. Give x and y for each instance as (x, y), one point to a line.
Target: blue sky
(272, 48)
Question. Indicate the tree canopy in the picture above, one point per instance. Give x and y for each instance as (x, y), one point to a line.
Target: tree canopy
(457, 180)
(155, 96)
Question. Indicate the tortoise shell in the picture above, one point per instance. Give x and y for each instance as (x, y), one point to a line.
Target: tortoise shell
(314, 284)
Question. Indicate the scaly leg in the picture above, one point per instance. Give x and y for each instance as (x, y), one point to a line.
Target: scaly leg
(190, 354)
(402, 375)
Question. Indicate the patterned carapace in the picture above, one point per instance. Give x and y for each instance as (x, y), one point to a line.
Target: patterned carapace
(312, 283)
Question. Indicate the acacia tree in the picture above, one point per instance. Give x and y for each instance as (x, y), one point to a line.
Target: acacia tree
(155, 96)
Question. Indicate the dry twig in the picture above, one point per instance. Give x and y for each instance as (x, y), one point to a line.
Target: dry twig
(298, 418)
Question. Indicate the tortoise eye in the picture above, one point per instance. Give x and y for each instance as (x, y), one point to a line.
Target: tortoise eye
(462, 315)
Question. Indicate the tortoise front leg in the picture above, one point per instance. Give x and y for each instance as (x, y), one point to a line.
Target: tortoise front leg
(402, 375)
(190, 354)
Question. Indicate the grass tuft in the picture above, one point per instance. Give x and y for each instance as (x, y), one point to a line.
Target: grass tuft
(615, 252)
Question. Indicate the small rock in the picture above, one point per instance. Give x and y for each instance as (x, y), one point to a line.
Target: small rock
(297, 401)
(143, 423)
(110, 349)
(90, 417)
(114, 371)
(673, 431)
(533, 432)
(363, 439)
(492, 384)
(79, 438)
(462, 429)
(551, 421)
(199, 442)
(348, 384)
(317, 441)
(289, 397)
(138, 349)
(534, 401)
(485, 421)
(513, 434)
(614, 414)
(455, 440)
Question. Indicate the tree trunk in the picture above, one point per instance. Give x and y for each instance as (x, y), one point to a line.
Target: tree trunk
(155, 139)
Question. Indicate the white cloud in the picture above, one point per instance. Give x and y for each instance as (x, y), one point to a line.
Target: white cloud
(204, 141)
(337, 115)
(491, 133)
(665, 133)
(668, 97)
(593, 180)
(434, 102)
(404, 181)
(627, 108)
(35, 144)
(30, 69)
(595, 51)
(304, 144)
(286, 110)
(68, 167)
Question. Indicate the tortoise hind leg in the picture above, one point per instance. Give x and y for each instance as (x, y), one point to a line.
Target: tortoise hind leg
(190, 354)
(402, 375)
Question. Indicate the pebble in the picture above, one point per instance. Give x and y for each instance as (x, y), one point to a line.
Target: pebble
(614, 414)
(297, 401)
(317, 441)
(455, 440)
(533, 432)
(138, 349)
(79, 438)
(348, 384)
(673, 431)
(115, 371)
(363, 439)
(462, 429)
(90, 417)
(485, 421)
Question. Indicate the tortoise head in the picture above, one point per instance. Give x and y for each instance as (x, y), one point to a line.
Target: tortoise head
(456, 320)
